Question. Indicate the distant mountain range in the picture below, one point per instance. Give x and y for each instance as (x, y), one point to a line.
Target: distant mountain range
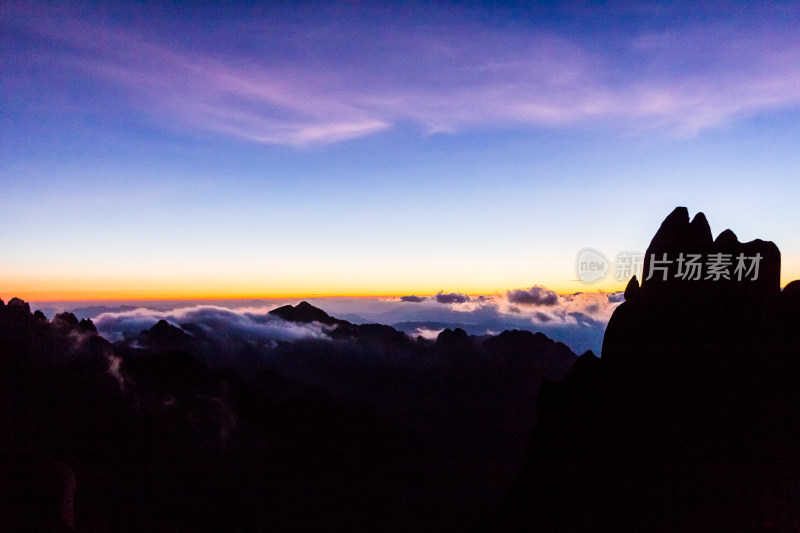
(580, 337)
(189, 426)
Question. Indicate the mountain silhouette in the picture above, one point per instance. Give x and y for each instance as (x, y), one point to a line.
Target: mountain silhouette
(304, 312)
(187, 428)
(163, 337)
(690, 420)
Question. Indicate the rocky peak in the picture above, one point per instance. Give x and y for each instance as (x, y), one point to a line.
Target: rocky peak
(163, 336)
(304, 313)
(693, 406)
(683, 262)
(66, 320)
(19, 306)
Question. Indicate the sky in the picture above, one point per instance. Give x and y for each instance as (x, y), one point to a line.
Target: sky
(194, 151)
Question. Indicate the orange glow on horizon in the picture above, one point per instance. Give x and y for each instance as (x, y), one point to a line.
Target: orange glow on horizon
(152, 290)
(88, 293)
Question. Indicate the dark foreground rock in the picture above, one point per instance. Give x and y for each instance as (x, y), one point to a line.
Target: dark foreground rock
(690, 421)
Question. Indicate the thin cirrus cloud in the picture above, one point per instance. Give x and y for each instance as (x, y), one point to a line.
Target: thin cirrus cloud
(446, 76)
(198, 91)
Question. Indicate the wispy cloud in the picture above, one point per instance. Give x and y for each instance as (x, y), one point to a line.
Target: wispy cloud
(425, 333)
(300, 82)
(189, 90)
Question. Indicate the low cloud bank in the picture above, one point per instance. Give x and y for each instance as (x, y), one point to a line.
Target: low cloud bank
(577, 319)
(537, 304)
(217, 322)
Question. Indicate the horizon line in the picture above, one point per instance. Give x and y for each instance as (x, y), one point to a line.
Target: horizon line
(188, 296)
(284, 296)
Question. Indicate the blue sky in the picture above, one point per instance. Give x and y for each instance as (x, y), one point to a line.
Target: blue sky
(188, 151)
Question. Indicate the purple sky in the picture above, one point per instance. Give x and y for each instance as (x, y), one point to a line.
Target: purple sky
(354, 149)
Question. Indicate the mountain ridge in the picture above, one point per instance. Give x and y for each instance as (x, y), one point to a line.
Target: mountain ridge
(328, 426)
